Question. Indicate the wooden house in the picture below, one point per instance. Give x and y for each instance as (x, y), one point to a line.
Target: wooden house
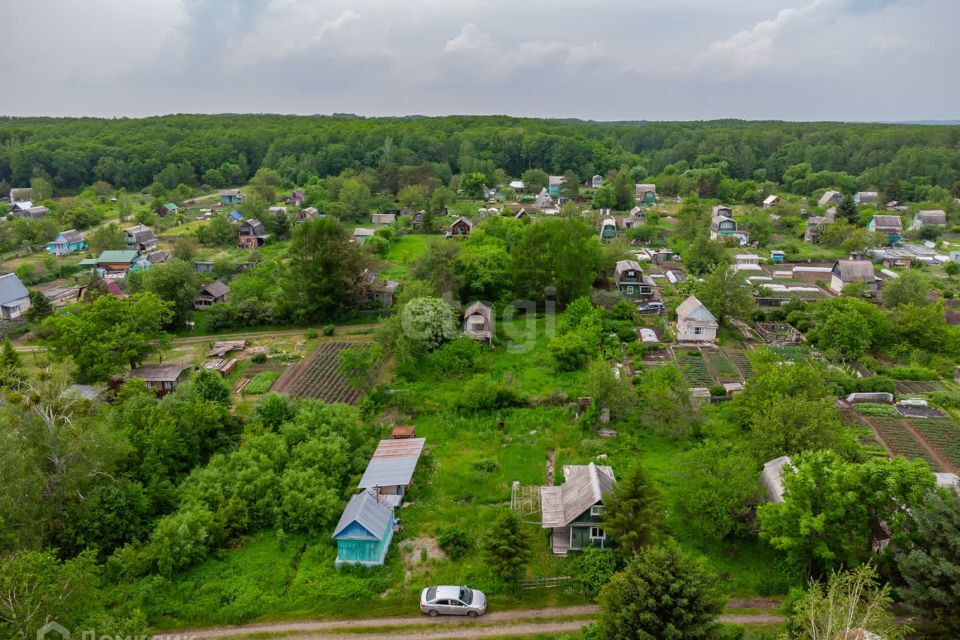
(543, 199)
(14, 297)
(161, 378)
(277, 211)
(306, 214)
(67, 242)
(574, 511)
(608, 229)
(631, 282)
(140, 238)
(636, 217)
(390, 470)
(210, 294)
(168, 209)
(771, 201)
(230, 197)
(203, 267)
(866, 197)
(815, 227)
(416, 220)
(478, 322)
(459, 228)
(846, 272)
(829, 197)
(890, 226)
(20, 194)
(695, 323)
(645, 194)
(383, 219)
(722, 210)
(296, 198)
(521, 215)
(251, 234)
(722, 227)
(361, 235)
(554, 185)
(596, 181)
(364, 531)
(33, 212)
(114, 264)
(158, 257)
(377, 291)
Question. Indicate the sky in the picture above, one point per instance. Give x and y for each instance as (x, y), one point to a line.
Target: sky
(853, 60)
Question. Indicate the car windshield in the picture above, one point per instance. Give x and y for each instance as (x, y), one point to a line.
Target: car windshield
(466, 595)
(431, 594)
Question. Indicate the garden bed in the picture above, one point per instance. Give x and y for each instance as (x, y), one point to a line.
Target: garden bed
(318, 376)
(694, 368)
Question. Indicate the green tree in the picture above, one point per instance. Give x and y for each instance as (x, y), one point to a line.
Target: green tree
(40, 306)
(852, 604)
(37, 587)
(217, 232)
(176, 283)
(726, 293)
(661, 594)
(359, 365)
(834, 512)
(624, 190)
(508, 548)
(534, 180)
(324, 270)
(104, 337)
(847, 209)
(106, 238)
(846, 335)
(911, 287)
(605, 197)
(441, 198)
(634, 515)
(472, 184)
(185, 247)
(571, 185)
(719, 491)
(355, 198)
(11, 367)
(210, 386)
(438, 267)
(692, 218)
(560, 254)
(705, 255)
(428, 323)
(570, 351)
(930, 565)
(412, 197)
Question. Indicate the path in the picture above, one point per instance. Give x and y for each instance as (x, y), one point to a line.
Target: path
(245, 335)
(501, 623)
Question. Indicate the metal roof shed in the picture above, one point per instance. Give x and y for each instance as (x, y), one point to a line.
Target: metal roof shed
(392, 465)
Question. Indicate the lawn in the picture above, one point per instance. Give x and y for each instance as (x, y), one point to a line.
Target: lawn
(405, 249)
(261, 383)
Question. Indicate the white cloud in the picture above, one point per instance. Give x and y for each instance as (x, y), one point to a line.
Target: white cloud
(289, 28)
(470, 39)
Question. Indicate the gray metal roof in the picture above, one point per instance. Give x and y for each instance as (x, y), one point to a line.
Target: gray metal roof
(11, 289)
(159, 372)
(772, 477)
(216, 289)
(392, 463)
(364, 509)
(583, 487)
(693, 309)
(854, 270)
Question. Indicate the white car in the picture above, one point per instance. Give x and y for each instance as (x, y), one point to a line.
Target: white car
(453, 601)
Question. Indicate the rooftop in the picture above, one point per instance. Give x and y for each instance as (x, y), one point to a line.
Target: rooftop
(392, 463)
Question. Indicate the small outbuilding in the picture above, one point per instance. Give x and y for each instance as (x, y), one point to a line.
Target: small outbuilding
(459, 228)
(846, 272)
(574, 511)
(161, 378)
(391, 468)
(478, 322)
(364, 531)
(210, 294)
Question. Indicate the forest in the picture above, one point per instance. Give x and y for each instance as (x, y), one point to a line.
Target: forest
(905, 162)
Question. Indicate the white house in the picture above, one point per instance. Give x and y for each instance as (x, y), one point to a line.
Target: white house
(596, 181)
(828, 197)
(14, 297)
(695, 323)
(771, 201)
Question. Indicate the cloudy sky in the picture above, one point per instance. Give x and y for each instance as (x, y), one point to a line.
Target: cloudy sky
(598, 59)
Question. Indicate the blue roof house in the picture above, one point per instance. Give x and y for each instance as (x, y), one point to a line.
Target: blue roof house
(364, 531)
(67, 242)
(235, 216)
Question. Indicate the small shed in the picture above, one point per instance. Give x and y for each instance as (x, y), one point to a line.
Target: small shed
(364, 531)
(403, 432)
(847, 272)
(722, 210)
(771, 201)
(210, 294)
(459, 228)
(230, 196)
(362, 234)
(162, 378)
(383, 219)
(391, 468)
(478, 322)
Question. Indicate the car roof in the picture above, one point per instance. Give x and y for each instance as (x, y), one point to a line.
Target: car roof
(446, 592)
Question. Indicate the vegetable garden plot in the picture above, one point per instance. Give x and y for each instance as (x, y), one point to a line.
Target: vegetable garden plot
(694, 369)
(917, 386)
(318, 376)
(722, 366)
(918, 412)
(899, 439)
(741, 361)
(944, 435)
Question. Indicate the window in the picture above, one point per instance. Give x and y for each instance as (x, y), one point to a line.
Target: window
(697, 331)
(597, 533)
(629, 289)
(597, 510)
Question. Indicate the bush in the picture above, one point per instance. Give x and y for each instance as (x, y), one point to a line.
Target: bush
(455, 542)
(457, 356)
(483, 393)
(877, 410)
(912, 372)
(486, 465)
(717, 391)
(570, 351)
(875, 384)
(311, 334)
(592, 568)
(329, 330)
(259, 358)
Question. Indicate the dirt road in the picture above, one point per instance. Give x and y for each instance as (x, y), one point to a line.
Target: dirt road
(502, 623)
